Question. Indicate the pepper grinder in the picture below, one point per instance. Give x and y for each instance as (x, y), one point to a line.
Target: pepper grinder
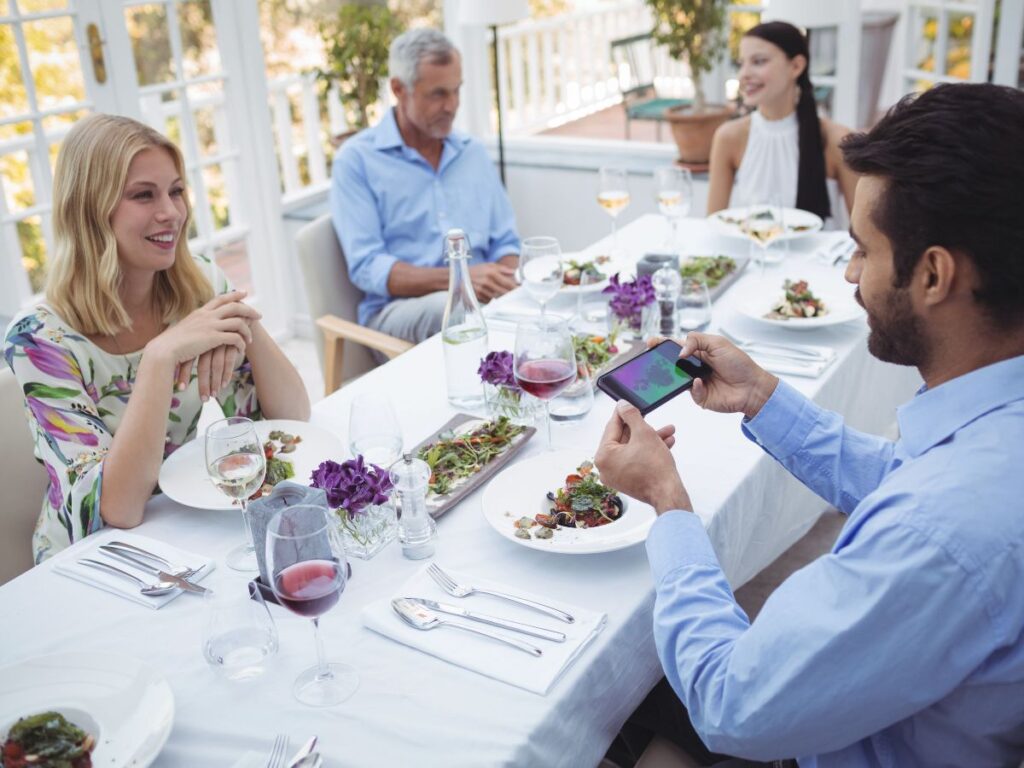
(667, 282)
(416, 528)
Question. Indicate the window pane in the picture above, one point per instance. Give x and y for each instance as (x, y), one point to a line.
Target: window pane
(13, 97)
(233, 260)
(929, 30)
(35, 6)
(958, 45)
(198, 39)
(19, 186)
(151, 43)
(33, 251)
(53, 57)
(207, 103)
(217, 195)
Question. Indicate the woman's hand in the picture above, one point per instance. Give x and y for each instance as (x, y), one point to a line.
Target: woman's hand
(736, 384)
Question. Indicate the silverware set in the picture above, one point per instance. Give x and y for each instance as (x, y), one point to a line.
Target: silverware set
(169, 575)
(795, 352)
(423, 614)
(304, 758)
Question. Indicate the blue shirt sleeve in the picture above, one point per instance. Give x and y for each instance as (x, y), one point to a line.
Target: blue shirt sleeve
(358, 225)
(848, 645)
(814, 443)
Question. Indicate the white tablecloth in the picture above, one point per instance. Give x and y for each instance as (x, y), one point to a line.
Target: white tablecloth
(412, 709)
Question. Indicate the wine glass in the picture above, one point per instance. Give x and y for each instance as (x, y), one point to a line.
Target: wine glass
(540, 265)
(764, 224)
(613, 196)
(584, 320)
(545, 360)
(694, 305)
(237, 465)
(373, 429)
(308, 571)
(674, 187)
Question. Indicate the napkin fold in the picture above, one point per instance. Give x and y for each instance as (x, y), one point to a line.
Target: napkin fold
(118, 585)
(479, 654)
(785, 366)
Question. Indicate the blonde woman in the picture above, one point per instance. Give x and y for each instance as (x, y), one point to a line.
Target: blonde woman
(131, 340)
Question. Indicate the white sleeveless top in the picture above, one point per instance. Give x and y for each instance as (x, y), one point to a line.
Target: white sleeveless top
(770, 163)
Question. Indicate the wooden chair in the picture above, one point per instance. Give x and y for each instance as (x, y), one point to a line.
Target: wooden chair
(22, 478)
(633, 62)
(334, 301)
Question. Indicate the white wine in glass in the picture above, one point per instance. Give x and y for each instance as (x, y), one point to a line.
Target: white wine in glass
(613, 197)
(674, 187)
(236, 465)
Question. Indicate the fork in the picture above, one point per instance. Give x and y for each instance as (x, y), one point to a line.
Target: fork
(168, 566)
(776, 349)
(279, 751)
(453, 588)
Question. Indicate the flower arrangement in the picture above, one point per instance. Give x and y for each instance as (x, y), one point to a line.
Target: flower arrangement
(503, 395)
(360, 495)
(629, 298)
(496, 369)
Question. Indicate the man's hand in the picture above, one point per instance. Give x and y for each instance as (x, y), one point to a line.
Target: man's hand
(634, 458)
(492, 280)
(737, 384)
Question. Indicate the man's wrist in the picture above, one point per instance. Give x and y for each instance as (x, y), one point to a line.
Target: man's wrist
(760, 393)
(674, 497)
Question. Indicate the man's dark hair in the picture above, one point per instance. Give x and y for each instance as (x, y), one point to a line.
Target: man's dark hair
(953, 161)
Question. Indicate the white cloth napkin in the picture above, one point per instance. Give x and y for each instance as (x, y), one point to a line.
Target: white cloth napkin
(118, 585)
(811, 369)
(489, 657)
(251, 760)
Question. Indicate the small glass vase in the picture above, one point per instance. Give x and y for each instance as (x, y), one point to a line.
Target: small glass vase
(368, 531)
(512, 402)
(631, 329)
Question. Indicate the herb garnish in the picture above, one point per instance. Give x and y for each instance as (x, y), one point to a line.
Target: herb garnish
(51, 739)
(455, 457)
(711, 269)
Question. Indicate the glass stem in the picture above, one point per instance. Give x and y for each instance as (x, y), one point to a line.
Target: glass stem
(248, 526)
(674, 248)
(547, 420)
(615, 236)
(323, 671)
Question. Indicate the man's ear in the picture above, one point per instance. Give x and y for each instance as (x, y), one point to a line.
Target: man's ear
(937, 274)
(397, 87)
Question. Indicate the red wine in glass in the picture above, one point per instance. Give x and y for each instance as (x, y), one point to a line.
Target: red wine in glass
(545, 378)
(310, 588)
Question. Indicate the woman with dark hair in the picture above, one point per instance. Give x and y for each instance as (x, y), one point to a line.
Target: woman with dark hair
(781, 151)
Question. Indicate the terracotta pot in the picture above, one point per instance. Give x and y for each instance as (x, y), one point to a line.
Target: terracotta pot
(693, 131)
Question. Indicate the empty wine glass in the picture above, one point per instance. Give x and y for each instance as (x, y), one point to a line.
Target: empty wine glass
(613, 197)
(236, 464)
(584, 320)
(545, 361)
(373, 429)
(674, 190)
(694, 305)
(540, 265)
(308, 571)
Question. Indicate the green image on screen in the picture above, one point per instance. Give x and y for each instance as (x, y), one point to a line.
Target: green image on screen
(653, 376)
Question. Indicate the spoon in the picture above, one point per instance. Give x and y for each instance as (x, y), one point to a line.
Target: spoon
(420, 617)
(149, 590)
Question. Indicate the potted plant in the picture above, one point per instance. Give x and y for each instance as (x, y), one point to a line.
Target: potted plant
(356, 41)
(693, 31)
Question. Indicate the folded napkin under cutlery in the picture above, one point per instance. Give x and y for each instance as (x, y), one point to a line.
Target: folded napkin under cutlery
(71, 566)
(480, 654)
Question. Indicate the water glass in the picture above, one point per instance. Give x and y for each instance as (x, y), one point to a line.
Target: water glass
(575, 401)
(590, 316)
(373, 430)
(694, 305)
(541, 268)
(239, 635)
(674, 191)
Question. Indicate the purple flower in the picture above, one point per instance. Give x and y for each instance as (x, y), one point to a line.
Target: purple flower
(53, 494)
(496, 369)
(61, 423)
(352, 485)
(629, 298)
(54, 360)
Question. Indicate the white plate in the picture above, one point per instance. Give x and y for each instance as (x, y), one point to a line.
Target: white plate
(609, 268)
(793, 217)
(521, 491)
(183, 474)
(759, 298)
(127, 706)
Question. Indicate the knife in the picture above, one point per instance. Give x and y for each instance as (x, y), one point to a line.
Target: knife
(494, 621)
(181, 583)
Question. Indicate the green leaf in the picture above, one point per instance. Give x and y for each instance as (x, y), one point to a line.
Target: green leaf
(35, 389)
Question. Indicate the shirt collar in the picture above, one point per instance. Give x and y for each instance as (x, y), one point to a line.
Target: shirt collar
(387, 136)
(935, 414)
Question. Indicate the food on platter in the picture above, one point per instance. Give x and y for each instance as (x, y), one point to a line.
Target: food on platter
(47, 740)
(797, 302)
(594, 351)
(455, 457)
(711, 269)
(574, 269)
(582, 502)
(278, 467)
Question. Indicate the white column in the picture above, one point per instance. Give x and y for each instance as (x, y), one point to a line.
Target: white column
(1008, 44)
(477, 91)
(848, 64)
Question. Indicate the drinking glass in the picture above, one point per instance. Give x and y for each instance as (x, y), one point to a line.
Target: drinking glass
(373, 429)
(764, 225)
(540, 265)
(584, 320)
(575, 401)
(236, 464)
(239, 634)
(545, 361)
(307, 568)
(694, 305)
(613, 197)
(674, 190)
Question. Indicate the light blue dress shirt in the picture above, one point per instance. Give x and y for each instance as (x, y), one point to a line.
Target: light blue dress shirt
(905, 645)
(389, 204)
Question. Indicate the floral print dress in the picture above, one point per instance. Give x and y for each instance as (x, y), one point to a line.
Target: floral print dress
(75, 397)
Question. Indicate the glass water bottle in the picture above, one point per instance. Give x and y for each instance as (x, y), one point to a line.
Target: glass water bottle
(464, 331)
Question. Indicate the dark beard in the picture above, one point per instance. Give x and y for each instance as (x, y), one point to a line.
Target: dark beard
(897, 334)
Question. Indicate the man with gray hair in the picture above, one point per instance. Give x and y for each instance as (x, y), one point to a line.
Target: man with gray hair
(397, 187)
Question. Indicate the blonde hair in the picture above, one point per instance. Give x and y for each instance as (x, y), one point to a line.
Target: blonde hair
(85, 274)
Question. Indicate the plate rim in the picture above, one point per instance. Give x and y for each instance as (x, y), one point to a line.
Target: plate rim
(732, 230)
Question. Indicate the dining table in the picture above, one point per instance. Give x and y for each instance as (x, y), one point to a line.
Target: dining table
(412, 709)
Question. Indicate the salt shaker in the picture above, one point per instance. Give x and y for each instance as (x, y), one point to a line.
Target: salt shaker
(667, 282)
(416, 528)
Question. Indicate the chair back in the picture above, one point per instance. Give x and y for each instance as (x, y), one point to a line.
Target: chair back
(329, 290)
(633, 62)
(22, 478)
